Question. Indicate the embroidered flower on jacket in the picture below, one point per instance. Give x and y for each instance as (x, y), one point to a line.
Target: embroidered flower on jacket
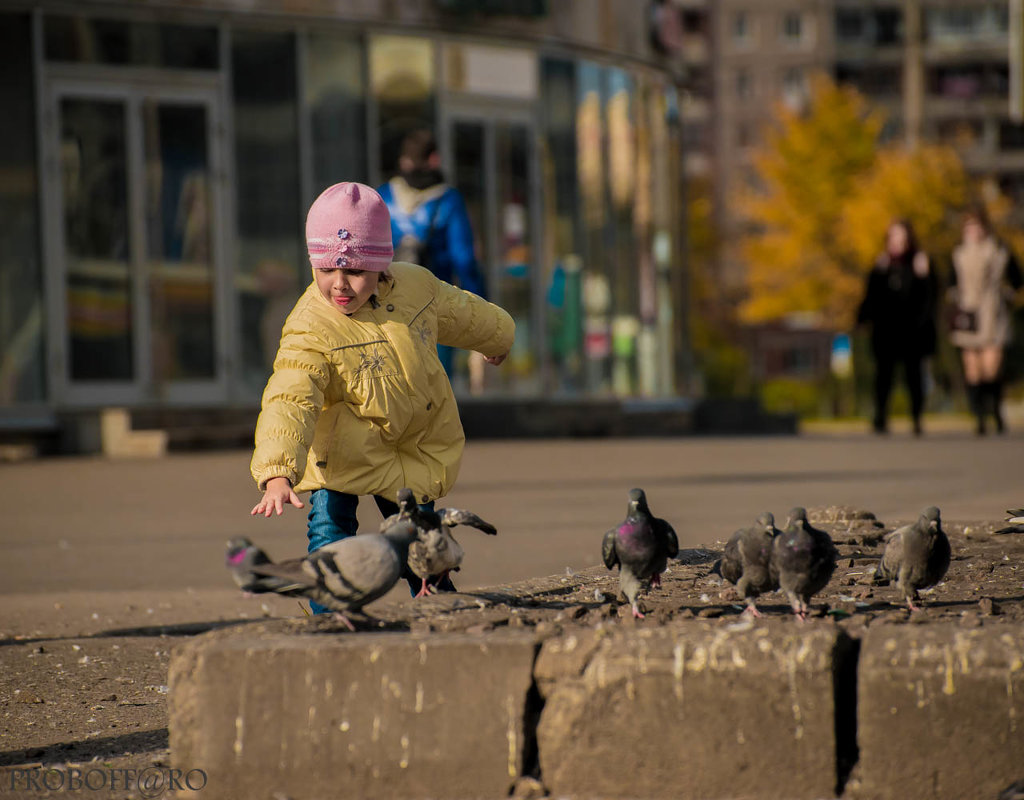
(370, 363)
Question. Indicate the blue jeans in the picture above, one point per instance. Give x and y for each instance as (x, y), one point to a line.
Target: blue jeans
(446, 355)
(332, 517)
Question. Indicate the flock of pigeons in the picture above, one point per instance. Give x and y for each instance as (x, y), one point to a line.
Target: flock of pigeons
(799, 559)
(348, 574)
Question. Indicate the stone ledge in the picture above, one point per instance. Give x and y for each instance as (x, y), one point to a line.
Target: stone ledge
(690, 711)
(369, 716)
(940, 712)
(597, 709)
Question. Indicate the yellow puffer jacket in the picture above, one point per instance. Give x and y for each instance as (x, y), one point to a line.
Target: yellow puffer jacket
(365, 395)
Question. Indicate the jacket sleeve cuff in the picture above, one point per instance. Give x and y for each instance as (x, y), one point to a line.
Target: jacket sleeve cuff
(275, 472)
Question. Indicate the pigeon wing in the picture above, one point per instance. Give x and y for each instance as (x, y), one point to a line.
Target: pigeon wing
(668, 536)
(608, 552)
(731, 565)
(456, 516)
(889, 566)
(358, 569)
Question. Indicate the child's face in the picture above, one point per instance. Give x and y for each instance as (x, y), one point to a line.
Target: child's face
(347, 289)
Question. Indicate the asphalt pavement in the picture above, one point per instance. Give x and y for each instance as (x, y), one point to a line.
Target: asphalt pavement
(90, 524)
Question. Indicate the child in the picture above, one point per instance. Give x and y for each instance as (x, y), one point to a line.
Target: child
(358, 402)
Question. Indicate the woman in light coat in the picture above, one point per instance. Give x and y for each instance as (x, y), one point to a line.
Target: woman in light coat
(985, 275)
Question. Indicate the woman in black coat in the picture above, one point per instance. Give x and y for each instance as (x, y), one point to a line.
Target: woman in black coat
(899, 304)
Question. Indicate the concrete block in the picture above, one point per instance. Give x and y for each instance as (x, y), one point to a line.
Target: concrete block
(940, 712)
(120, 441)
(691, 711)
(366, 715)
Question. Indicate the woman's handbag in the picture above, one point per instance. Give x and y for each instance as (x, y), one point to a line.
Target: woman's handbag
(960, 319)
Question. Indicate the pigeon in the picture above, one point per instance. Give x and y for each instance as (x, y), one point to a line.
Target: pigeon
(1015, 516)
(343, 576)
(641, 545)
(916, 556)
(803, 560)
(435, 552)
(746, 561)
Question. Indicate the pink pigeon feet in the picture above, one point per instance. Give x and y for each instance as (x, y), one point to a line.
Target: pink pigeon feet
(656, 579)
(911, 606)
(339, 617)
(637, 613)
(752, 610)
(424, 591)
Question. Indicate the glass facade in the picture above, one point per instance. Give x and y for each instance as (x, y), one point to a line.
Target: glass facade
(402, 77)
(22, 308)
(271, 268)
(335, 100)
(97, 239)
(180, 218)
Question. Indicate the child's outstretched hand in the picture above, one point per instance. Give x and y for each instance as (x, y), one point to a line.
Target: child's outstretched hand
(495, 360)
(277, 494)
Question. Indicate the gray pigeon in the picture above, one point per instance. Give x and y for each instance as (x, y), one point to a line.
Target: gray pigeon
(746, 561)
(342, 576)
(1015, 516)
(435, 552)
(916, 556)
(803, 560)
(641, 545)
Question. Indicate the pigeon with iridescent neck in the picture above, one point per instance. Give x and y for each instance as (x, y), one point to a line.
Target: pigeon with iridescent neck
(641, 546)
(803, 560)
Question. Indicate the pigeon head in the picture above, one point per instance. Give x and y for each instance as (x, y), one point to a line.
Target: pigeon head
(766, 520)
(797, 514)
(238, 549)
(930, 516)
(406, 500)
(637, 501)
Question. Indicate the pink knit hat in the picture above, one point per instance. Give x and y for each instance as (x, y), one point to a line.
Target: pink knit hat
(348, 225)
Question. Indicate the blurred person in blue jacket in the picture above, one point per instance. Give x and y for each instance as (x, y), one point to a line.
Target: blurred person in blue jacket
(429, 222)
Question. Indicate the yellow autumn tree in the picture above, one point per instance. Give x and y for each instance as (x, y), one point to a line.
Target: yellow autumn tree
(806, 169)
(924, 186)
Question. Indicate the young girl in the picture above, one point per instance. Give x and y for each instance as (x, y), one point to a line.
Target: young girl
(358, 403)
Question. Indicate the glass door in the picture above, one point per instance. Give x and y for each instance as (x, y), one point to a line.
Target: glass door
(132, 228)
(492, 164)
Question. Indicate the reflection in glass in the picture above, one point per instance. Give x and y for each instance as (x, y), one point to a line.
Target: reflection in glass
(515, 245)
(336, 103)
(179, 262)
(560, 197)
(402, 76)
(468, 178)
(21, 298)
(95, 195)
(596, 284)
(116, 41)
(272, 268)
